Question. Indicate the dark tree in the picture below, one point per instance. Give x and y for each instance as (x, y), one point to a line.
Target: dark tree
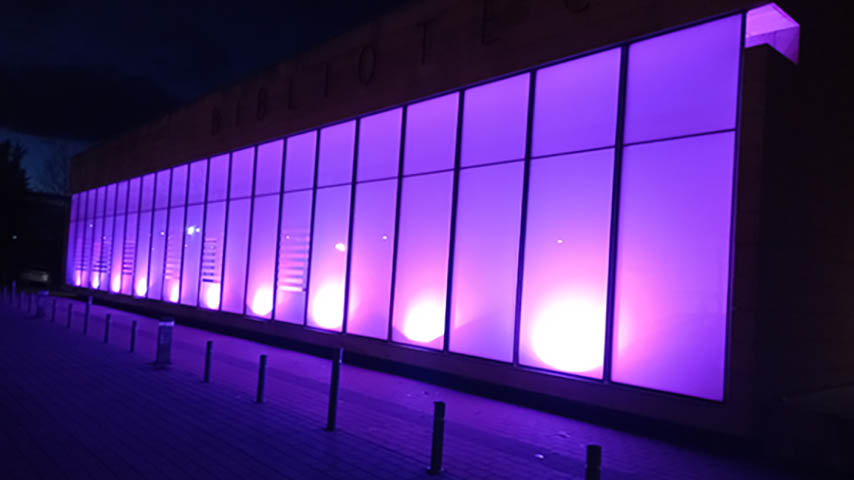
(13, 179)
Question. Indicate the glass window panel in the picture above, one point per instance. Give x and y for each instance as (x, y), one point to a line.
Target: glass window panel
(684, 82)
(198, 177)
(210, 288)
(335, 162)
(158, 251)
(673, 265)
(143, 243)
(236, 250)
(88, 236)
(174, 247)
(118, 246)
(96, 274)
(486, 251)
(495, 119)
(110, 200)
(161, 189)
(131, 237)
(566, 263)
(122, 197)
(265, 215)
(147, 200)
(421, 280)
(431, 134)
(268, 171)
(294, 241)
(300, 160)
(575, 105)
(71, 240)
(134, 190)
(379, 145)
(192, 255)
(329, 258)
(242, 166)
(178, 194)
(218, 182)
(371, 259)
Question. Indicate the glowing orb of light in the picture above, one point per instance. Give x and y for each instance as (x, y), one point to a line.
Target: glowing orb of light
(173, 293)
(212, 295)
(327, 308)
(116, 284)
(425, 321)
(191, 230)
(569, 336)
(142, 287)
(262, 302)
(340, 247)
(96, 281)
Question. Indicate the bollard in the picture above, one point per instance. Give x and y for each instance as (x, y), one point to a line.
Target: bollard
(593, 470)
(39, 306)
(68, 323)
(132, 335)
(438, 438)
(208, 349)
(86, 315)
(107, 329)
(53, 311)
(262, 371)
(29, 303)
(333, 390)
(164, 342)
(14, 293)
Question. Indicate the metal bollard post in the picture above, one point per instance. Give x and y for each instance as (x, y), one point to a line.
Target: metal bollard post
(68, 323)
(438, 438)
(40, 306)
(107, 329)
(14, 293)
(208, 349)
(132, 335)
(53, 312)
(262, 371)
(86, 315)
(29, 303)
(593, 470)
(164, 342)
(333, 390)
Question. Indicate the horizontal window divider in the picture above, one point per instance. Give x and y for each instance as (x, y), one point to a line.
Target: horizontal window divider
(574, 152)
(431, 172)
(489, 164)
(679, 137)
(375, 180)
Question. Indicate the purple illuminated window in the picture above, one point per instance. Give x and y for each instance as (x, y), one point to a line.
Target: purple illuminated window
(143, 241)
(131, 236)
(80, 238)
(566, 263)
(328, 258)
(88, 236)
(495, 116)
(175, 235)
(118, 238)
(485, 261)
(299, 161)
(265, 216)
(575, 105)
(335, 163)
(210, 286)
(237, 230)
(294, 240)
(684, 82)
(431, 134)
(379, 145)
(158, 234)
(106, 257)
(193, 226)
(418, 315)
(70, 251)
(370, 270)
(672, 265)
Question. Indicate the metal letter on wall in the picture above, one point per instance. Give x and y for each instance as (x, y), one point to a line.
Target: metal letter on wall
(367, 64)
(216, 121)
(261, 104)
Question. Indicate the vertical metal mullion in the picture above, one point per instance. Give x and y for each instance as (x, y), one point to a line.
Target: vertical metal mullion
(166, 235)
(184, 234)
(124, 239)
(204, 231)
(83, 239)
(350, 227)
(311, 226)
(615, 215)
(251, 226)
(150, 237)
(281, 209)
(453, 234)
(398, 194)
(526, 180)
(734, 211)
(225, 234)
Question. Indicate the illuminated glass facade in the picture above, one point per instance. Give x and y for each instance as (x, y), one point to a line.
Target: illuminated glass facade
(574, 218)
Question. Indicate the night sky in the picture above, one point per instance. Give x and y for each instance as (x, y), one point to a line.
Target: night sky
(74, 73)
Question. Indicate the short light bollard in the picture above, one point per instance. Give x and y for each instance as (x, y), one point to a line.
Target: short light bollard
(593, 471)
(107, 329)
(333, 390)
(86, 315)
(262, 372)
(68, 322)
(164, 343)
(132, 335)
(53, 311)
(438, 438)
(39, 306)
(29, 303)
(208, 351)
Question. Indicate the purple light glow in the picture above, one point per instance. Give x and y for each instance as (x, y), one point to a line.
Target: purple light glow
(329, 261)
(495, 116)
(770, 25)
(299, 166)
(431, 132)
(116, 274)
(335, 162)
(265, 212)
(294, 240)
(237, 231)
(379, 145)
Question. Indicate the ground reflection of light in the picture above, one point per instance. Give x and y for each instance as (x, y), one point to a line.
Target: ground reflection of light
(116, 284)
(173, 293)
(142, 287)
(425, 321)
(212, 292)
(262, 302)
(327, 308)
(568, 335)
